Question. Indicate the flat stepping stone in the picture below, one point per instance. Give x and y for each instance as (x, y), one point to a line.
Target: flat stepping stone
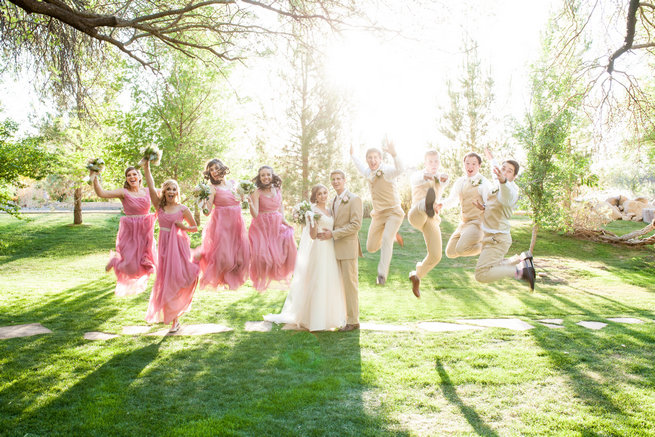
(513, 324)
(552, 321)
(592, 325)
(204, 329)
(94, 335)
(28, 330)
(292, 327)
(446, 327)
(628, 320)
(263, 326)
(135, 330)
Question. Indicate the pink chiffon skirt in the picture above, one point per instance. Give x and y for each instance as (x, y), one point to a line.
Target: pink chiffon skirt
(135, 258)
(225, 251)
(177, 278)
(272, 250)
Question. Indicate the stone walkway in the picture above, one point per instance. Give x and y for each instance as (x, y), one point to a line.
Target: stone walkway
(31, 329)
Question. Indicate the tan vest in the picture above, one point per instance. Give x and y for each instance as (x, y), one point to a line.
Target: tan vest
(470, 194)
(496, 215)
(384, 193)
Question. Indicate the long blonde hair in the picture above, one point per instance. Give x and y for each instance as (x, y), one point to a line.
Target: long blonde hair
(166, 184)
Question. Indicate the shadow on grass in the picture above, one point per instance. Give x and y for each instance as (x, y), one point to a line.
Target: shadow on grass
(99, 403)
(51, 236)
(472, 417)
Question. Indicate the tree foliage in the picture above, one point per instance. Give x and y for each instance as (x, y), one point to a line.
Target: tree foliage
(466, 122)
(552, 135)
(68, 39)
(20, 158)
(314, 118)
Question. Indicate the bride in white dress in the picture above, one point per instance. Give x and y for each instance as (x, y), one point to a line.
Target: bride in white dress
(316, 299)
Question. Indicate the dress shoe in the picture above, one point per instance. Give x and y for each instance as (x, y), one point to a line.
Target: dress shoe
(527, 273)
(526, 255)
(430, 197)
(350, 327)
(416, 283)
(381, 280)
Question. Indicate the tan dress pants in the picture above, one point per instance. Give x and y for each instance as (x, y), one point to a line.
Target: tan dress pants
(492, 265)
(350, 280)
(465, 241)
(429, 226)
(381, 235)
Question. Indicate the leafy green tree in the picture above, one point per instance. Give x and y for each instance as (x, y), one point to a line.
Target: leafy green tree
(466, 122)
(20, 158)
(314, 118)
(551, 134)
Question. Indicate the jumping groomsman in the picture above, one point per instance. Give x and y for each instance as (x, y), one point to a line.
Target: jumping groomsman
(468, 189)
(387, 214)
(497, 240)
(427, 186)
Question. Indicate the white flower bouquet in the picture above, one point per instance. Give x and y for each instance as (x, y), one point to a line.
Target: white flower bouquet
(303, 210)
(96, 165)
(245, 188)
(201, 193)
(151, 153)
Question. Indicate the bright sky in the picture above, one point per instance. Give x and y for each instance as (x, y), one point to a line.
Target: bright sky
(399, 86)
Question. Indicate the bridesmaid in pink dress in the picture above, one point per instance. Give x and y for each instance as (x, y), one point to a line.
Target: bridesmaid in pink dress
(177, 275)
(272, 246)
(134, 260)
(225, 251)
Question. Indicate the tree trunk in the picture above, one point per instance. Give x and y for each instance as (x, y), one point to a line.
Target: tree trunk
(533, 240)
(77, 206)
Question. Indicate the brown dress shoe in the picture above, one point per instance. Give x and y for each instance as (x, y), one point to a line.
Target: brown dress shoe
(350, 327)
(527, 273)
(381, 280)
(416, 283)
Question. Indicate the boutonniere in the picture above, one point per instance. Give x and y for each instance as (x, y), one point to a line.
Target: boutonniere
(345, 199)
(436, 180)
(495, 190)
(476, 182)
(379, 172)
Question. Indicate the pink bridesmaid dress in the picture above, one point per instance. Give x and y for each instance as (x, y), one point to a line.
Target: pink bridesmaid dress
(135, 258)
(177, 275)
(272, 246)
(225, 248)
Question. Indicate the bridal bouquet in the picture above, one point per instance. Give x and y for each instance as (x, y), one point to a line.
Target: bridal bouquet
(303, 210)
(151, 153)
(201, 193)
(245, 188)
(96, 165)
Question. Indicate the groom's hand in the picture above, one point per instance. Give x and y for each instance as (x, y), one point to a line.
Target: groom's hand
(325, 234)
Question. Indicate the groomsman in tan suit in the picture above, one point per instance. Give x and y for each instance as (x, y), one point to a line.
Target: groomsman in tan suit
(467, 190)
(347, 212)
(427, 186)
(497, 240)
(387, 214)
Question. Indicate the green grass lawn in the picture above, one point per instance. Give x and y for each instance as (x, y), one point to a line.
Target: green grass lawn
(569, 381)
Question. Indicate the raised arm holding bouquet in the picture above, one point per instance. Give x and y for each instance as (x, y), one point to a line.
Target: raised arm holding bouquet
(135, 257)
(177, 275)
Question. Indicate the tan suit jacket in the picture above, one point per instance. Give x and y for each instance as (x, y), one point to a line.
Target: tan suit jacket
(347, 222)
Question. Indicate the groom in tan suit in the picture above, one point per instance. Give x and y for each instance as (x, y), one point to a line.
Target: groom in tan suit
(347, 212)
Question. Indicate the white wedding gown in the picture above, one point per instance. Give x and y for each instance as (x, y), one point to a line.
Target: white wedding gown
(316, 299)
